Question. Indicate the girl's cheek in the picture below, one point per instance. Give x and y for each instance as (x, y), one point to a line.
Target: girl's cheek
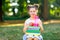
(30, 13)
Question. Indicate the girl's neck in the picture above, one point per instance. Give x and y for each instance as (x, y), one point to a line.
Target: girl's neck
(32, 18)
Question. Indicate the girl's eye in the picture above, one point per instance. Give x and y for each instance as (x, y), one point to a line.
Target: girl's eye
(33, 11)
(30, 11)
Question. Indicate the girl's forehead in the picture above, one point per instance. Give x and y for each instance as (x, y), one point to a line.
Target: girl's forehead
(32, 9)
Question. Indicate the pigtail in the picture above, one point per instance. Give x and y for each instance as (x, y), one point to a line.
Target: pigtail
(36, 5)
(29, 6)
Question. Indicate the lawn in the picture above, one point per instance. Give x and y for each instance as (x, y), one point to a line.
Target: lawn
(51, 32)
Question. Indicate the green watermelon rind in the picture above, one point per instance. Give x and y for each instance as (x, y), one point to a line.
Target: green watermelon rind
(33, 31)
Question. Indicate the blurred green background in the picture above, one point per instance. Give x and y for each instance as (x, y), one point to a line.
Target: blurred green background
(17, 9)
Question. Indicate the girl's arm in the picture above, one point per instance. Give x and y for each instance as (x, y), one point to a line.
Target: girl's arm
(25, 28)
(41, 27)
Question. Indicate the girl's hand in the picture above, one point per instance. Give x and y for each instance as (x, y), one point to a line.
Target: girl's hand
(41, 27)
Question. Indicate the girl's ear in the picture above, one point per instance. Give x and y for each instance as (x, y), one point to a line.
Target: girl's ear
(37, 11)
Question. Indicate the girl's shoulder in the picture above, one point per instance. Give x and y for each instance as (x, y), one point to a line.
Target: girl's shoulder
(27, 19)
(39, 19)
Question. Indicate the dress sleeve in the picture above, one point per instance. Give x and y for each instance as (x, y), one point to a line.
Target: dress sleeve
(40, 22)
(27, 22)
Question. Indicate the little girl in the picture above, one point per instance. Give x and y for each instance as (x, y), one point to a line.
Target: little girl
(33, 22)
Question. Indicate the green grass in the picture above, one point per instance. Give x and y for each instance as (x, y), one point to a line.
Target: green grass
(51, 32)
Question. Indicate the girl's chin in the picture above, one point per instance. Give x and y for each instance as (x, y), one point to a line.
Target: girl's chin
(33, 15)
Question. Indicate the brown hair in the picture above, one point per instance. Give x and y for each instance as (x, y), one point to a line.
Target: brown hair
(36, 6)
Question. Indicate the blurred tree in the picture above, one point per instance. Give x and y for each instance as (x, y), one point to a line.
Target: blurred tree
(45, 13)
(1, 12)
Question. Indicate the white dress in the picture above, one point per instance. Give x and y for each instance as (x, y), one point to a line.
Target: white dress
(28, 21)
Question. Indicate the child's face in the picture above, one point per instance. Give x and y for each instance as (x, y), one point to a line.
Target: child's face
(33, 12)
